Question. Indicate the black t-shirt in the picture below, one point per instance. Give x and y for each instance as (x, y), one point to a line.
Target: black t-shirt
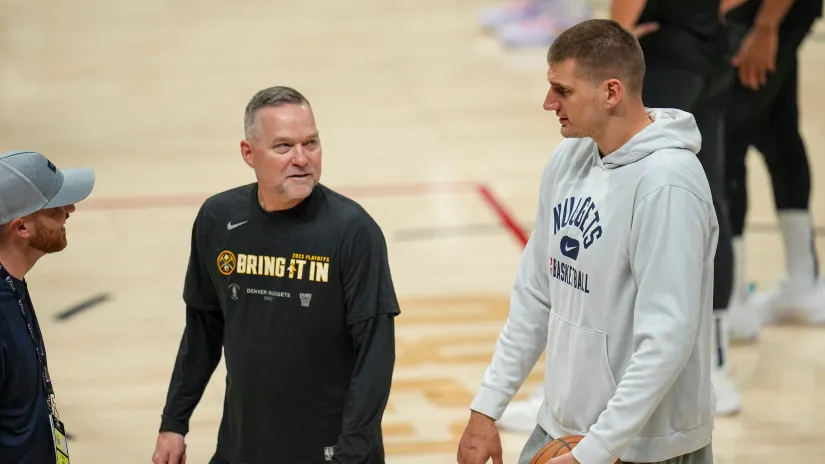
(25, 433)
(288, 294)
(801, 14)
(691, 35)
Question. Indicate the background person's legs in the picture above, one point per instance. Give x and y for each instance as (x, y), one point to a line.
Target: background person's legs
(709, 114)
(744, 324)
(704, 96)
(778, 138)
(769, 120)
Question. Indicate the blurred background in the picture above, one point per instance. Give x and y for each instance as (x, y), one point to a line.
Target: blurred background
(430, 117)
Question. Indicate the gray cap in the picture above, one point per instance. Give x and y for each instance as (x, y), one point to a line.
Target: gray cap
(30, 182)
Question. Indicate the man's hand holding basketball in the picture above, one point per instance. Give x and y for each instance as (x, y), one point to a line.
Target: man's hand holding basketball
(480, 442)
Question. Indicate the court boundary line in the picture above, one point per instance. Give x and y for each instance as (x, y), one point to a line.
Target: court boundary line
(505, 219)
(494, 204)
(180, 200)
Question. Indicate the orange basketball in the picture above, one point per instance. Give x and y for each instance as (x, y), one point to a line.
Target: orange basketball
(556, 448)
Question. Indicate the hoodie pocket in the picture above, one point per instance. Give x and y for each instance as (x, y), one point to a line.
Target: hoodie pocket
(579, 379)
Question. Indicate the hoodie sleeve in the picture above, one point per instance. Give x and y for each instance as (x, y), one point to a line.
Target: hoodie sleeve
(670, 238)
(524, 336)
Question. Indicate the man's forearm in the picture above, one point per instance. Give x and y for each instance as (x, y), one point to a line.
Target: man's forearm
(772, 13)
(198, 356)
(374, 342)
(524, 335)
(627, 12)
(518, 348)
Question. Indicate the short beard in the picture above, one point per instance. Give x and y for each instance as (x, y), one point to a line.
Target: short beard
(48, 240)
(285, 193)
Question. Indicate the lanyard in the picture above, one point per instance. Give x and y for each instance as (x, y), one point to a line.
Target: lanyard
(38, 347)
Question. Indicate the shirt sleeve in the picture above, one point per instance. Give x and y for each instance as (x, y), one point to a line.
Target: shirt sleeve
(673, 233)
(374, 344)
(3, 363)
(371, 305)
(524, 335)
(198, 356)
(201, 345)
(198, 288)
(366, 277)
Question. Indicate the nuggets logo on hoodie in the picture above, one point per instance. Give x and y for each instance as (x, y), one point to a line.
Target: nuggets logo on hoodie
(581, 213)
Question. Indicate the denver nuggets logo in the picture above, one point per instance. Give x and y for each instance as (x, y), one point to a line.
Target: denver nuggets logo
(226, 262)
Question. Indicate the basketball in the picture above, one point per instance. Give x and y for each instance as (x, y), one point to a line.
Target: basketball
(556, 448)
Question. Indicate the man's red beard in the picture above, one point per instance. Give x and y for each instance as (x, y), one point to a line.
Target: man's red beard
(48, 240)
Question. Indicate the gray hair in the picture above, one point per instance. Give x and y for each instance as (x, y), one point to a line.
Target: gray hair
(272, 96)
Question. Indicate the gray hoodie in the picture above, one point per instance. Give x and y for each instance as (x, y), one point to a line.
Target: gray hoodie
(616, 283)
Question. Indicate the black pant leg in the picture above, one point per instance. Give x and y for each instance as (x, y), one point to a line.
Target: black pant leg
(785, 155)
(703, 96)
(736, 185)
(768, 119)
(709, 113)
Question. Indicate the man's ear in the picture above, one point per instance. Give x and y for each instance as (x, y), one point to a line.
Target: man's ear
(17, 227)
(615, 92)
(246, 153)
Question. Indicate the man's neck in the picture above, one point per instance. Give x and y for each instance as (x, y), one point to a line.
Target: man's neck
(18, 261)
(620, 128)
(271, 202)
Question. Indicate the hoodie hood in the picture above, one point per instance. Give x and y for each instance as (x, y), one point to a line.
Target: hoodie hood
(671, 129)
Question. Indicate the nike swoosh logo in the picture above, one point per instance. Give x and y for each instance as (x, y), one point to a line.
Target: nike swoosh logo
(230, 226)
(568, 248)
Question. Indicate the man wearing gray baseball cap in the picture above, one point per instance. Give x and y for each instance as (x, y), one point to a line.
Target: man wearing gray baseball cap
(36, 199)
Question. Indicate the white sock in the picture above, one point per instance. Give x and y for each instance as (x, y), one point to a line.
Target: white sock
(740, 286)
(721, 340)
(797, 236)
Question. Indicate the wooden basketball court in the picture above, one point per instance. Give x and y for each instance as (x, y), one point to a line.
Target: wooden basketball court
(424, 119)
